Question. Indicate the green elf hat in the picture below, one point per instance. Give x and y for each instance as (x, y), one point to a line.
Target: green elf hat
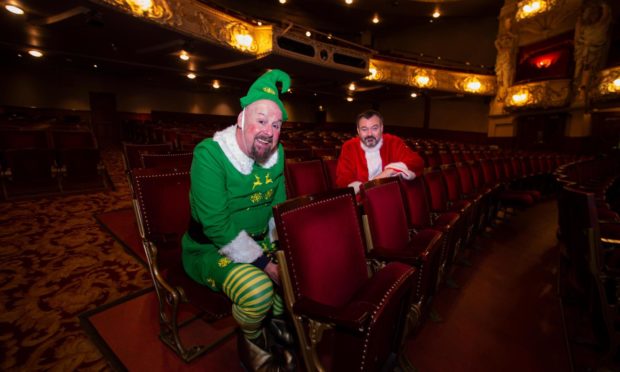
(265, 88)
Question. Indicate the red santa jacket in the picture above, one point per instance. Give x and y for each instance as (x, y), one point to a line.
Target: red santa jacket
(352, 165)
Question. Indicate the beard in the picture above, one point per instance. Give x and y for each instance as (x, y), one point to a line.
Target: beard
(370, 141)
(261, 148)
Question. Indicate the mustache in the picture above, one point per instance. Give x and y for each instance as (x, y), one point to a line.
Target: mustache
(369, 137)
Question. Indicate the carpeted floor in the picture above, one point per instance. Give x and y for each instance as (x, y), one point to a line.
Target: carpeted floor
(56, 262)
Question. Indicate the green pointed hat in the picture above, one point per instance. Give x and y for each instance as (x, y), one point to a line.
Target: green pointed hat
(265, 88)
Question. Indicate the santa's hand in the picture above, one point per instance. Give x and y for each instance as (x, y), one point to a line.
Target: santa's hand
(272, 271)
(388, 172)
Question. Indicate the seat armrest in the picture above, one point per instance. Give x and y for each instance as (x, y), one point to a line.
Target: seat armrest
(353, 316)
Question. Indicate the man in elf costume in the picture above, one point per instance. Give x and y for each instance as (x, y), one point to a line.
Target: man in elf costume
(374, 154)
(236, 178)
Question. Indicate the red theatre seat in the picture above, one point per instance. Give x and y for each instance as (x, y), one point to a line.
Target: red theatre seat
(162, 210)
(421, 217)
(393, 241)
(306, 177)
(345, 320)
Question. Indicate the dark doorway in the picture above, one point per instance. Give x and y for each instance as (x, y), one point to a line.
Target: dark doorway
(105, 119)
(541, 132)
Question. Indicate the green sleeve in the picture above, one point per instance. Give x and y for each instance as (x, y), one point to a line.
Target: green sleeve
(280, 194)
(208, 195)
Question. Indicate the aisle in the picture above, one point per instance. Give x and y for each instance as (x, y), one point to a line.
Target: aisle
(506, 315)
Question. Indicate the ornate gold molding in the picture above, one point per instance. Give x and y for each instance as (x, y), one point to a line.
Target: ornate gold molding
(608, 84)
(431, 78)
(201, 21)
(543, 94)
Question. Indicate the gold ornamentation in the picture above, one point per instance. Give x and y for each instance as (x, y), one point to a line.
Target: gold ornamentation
(154, 9)
(544, 94)
(223, 262)
(269, 194)
(430, 78)
(211, 282)
(256, 197)
(268, 179)
(532, 8)
(608, 84)
(257, 182)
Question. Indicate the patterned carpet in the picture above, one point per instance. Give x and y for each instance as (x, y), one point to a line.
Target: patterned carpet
(55, 263)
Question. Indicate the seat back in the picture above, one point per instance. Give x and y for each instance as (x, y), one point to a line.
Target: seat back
(465, 177)
(387, 218)
(162, 200)
(453, 183)
(178, 160)
(305, 178)
(330, 166)
(338, 261)
(437, 191)
(417, 200)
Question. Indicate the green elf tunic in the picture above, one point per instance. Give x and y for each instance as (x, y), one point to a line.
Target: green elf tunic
(231, 198)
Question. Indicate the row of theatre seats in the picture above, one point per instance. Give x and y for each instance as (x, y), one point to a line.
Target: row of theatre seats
(589, 229)
(49, 161)
(383, 254)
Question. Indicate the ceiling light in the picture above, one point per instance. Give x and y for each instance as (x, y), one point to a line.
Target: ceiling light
(144, 5)
(216, 84)
(184, 56)
(349, 2)
(375, 18)
(473, 85)
(436, 14)
(352, 86)
(243, 41)
(349, 99)
(14, 9)
(282, 1)
(329, 36)
(616, 83)
(191, 75)
(259, 23)
(35, 53)
(422, 80)
(308, 33)
(414, 95)
(95, 66)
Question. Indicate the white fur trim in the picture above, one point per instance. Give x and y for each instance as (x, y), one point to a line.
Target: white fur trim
(242, 249)
(356, 186)
(402, 170)
(227, 139)
(273, 232)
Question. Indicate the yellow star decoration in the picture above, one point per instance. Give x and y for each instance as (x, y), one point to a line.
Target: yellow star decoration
(223, 262)
(256, 197)
(257, 182)
(269, 194)
(269, 90)
(268, 179)
(265, 246)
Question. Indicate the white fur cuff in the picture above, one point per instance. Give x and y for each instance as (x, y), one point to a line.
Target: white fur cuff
(242, 249)
(273, 232)
(402, 170)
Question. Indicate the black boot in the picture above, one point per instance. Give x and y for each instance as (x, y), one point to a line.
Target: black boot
(280, 330)
(256, 355)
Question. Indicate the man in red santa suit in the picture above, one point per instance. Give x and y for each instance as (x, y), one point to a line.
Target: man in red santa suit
(374, 155)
